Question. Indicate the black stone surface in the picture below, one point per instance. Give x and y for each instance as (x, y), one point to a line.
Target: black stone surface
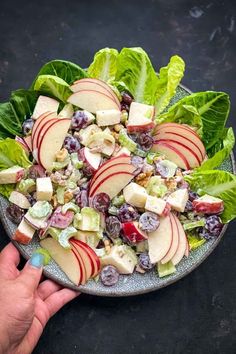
(197, 314)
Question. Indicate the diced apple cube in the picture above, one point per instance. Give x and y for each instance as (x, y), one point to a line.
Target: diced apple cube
(45, 104)
(44, 189)
(11, 175)
(85, 134)
(24, 233)
(208, 205)
(140, 117)
(178, 199)
(155, 205)
(108, 117)
(135, 195)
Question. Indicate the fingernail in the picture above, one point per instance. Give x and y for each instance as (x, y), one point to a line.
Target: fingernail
(36, 260)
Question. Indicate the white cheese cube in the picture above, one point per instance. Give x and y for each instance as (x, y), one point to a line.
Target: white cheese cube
(178, 199)
(24, 233)
(120, 258)
(135, 195)
(11, 175)
(156, 205)
(45, 104)
(108, 117)
(44, 188)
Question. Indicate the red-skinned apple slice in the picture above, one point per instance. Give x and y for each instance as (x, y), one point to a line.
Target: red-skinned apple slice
(190, 155)
(113, 161)
(175, 241)
(194, 146)
(94, 257)
(92, 101)
(140, 117)
(186, 253)
(112, 171)
(28, 141)
(92, 159)
(52, 142)
(171, 154)
(41, 132)
(23, 144)
(40, 120)
(82, 264)
(182, 243)
(174, 126)
(66, 259)
(94, 84)
(45, 120)
(159, 241)
(208, 205)
(133, 233)
(86, 260)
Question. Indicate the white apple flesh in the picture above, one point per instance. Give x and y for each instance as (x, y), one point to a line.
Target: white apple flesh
(52, 142)
(94, 84)
(93, 256)
(92, 159)
(24, 233)
(133, 233)
(175, 241)
(182, 243)
(19, 199)
(159, 241)
(65, 258)
(44, 104)
(92, 101)
(172, 154)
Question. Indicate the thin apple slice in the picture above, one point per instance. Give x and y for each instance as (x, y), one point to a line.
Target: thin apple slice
(182, 243)
(112, 171)
(23, 144)
(180, 139)
(93, 256)
(28, 141)
(172, 154)
(159, 241)
(52, 142)
(41, 122)
(92, 101)
(92, 159)
(41, 132)
(133, 233)
(189, 154)
(94, 84)
(175, 241)
(174, 126)
(65, 258)
(113, 161)
(44, 104)
(86, 260)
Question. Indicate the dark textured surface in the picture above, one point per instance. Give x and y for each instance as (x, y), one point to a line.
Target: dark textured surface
(197, 314)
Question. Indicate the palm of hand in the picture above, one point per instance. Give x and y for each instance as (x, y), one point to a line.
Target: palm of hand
(27, 305)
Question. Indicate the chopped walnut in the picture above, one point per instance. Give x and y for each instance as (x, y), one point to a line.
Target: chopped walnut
(56, 177)
(68, 196)
(143, 178)
(118, 127)
(61, 155)
(54, 201)
(171, 184)
(115, 135)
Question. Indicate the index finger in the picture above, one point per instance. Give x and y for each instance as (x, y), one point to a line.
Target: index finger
(10, 256)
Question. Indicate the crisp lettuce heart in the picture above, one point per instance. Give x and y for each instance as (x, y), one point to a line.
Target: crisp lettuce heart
(104, 65)
(53, 86)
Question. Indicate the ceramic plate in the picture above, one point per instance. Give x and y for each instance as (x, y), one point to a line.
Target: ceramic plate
(128, 285)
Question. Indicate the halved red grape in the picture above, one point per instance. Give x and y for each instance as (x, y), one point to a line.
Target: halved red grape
(101, 202)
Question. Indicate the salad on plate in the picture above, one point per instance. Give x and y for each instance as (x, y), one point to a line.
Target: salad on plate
(110, 172)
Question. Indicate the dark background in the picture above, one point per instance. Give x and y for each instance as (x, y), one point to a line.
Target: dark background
(197, 314)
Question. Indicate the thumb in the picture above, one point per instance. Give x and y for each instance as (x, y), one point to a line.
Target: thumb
(32, 272)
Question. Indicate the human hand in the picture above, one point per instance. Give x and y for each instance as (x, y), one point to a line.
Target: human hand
(26, 304)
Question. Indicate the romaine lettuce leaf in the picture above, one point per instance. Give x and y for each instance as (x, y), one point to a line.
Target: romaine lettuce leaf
(53, 86)
(14, 112)
(220, 184)
(206, 111)
(63, 69)
(220, 151)
(104, 65)
(11, 153)
(195, 241)
(168, 79)
(136, 73)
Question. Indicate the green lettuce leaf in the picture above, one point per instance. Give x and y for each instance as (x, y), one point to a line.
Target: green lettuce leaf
(67, 71)
(220, 151)
(168, 80)
(220, 184)
(14, 112)
(11, 153)
(195, 241)
(205, 111)
(104, 65)
(53, 86)
(136, 73)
